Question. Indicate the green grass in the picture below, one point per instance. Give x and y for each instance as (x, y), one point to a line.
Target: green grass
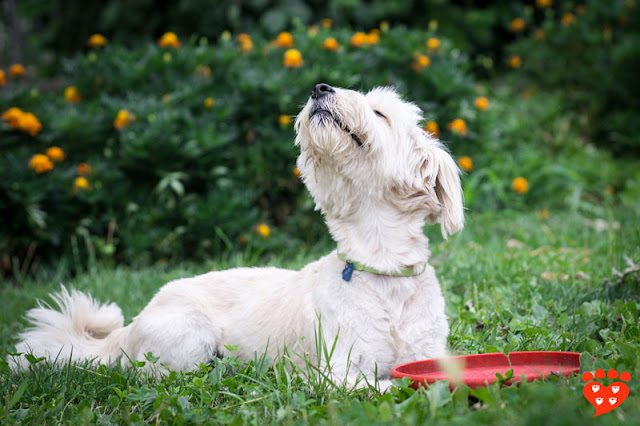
(506, 289)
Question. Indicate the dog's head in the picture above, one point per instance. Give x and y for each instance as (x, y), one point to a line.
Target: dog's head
(368, 151)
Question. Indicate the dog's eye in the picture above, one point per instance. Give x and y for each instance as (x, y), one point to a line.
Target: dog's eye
(379, 114)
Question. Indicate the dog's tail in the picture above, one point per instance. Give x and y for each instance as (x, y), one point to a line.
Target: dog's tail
(80, 329)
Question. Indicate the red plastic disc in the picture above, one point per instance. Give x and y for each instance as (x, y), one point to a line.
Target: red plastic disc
(480, 369)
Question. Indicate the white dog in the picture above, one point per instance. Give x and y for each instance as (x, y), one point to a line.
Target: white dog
(377, 177)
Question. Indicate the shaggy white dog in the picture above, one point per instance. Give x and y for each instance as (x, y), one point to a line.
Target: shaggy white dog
(377, 177)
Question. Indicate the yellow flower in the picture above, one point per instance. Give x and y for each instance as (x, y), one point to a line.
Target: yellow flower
(81, 183)
(263, 230)
(29, 123)
(384, 26)
(3, 78)
(169, 39)
(56, 154)
(567, 19)
(97, 40)
(84, 169)
(326, 23)
(420, 62)
(458, 126)
(465, 163)
(123, 119)
(293, 58)
(40, 163)
(17, 70)
(331, 44)
(482, 103)
(543, 3)
(284, 120)
(432, 128)
(520, 185)
(20, 120)
(514, 61)
(540, 34)
(517, 24)
(296, 172)
(203, 71)
(284, 40)
(209, 102)
(373, 37)
(313, 31)
(359, 39)
(433, 43)
(244, 42)
(72, 95)
(12, 117)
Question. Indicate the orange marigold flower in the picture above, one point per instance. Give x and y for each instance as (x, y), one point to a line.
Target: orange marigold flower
(284, 120)
(331, 44)
(56, 154)
(12, 117)
(420, 62)
(432, 128)
(244, 42)
(209, 102)
(72, 95)
(543, 3)
(3, 78)
(373, 37)
(465, 163)
(84, 169)
(40, 163)
(97, 40)
(544, 214)
(359, 39)
(520, 185)
(517, 24)
(514, 61)
(81, 183)
(293, 58)
(17, 70)
(29, 123)
(481, 103)
(540, 34)
(123, 119)
(295, 172)
(567, 19)
(433, 43)
(284, 39)
(263, 230)
(458, 126)
(169, 39)
(326, 23)
(313, 31)
(580, 9)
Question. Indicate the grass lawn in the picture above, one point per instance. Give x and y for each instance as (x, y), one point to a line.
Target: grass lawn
(513, 282)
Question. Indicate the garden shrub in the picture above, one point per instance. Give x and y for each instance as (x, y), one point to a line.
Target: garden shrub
(183, 148)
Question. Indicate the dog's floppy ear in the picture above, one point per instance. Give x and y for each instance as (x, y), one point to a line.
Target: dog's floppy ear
(439, 173)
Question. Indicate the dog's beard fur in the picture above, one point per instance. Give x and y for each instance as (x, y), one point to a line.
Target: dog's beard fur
(377, 176)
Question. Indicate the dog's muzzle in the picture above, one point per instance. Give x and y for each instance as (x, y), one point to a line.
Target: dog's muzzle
(320, 95)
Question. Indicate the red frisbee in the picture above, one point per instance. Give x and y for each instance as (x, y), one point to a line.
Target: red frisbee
(480, 369)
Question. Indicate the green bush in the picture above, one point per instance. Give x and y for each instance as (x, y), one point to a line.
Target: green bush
(590, 52)
(191, 148)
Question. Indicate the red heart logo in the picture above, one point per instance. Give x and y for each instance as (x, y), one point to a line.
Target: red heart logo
(607, 398)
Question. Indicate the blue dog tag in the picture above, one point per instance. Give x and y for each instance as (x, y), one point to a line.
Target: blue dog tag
(347, 271)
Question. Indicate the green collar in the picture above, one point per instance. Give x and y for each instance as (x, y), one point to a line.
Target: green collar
(351, 266)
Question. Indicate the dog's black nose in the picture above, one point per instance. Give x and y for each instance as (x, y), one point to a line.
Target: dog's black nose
(321, 90)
